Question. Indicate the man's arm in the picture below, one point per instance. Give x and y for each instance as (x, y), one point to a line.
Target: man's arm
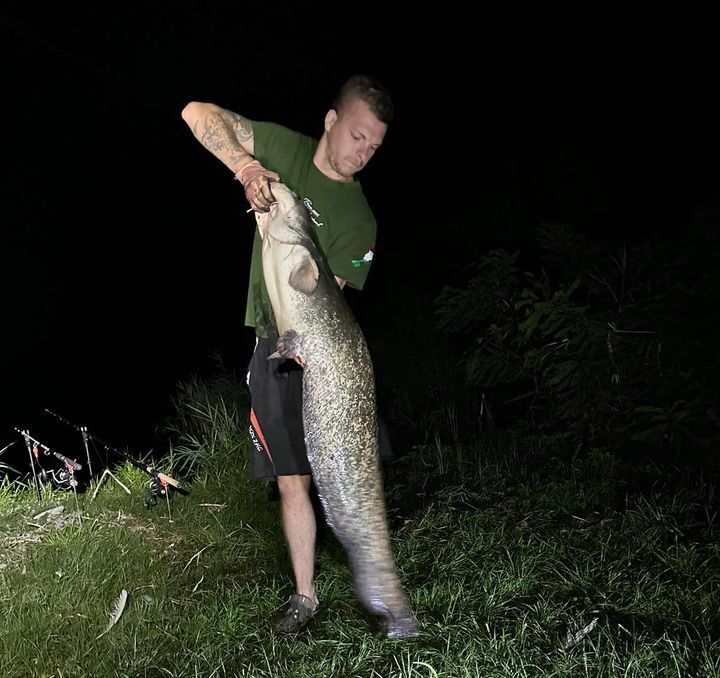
(229, 137)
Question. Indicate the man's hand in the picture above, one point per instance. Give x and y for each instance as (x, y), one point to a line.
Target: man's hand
(256, 182)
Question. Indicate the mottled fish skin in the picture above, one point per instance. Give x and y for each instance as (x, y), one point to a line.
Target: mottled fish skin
(339, 412)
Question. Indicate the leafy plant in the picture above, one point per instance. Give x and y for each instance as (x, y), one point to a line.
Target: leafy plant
(578, 345)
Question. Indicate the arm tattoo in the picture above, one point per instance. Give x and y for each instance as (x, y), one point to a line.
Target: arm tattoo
(222, 133)
(242, 127)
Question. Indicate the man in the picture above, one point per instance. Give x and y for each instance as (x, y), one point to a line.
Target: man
(322, 174)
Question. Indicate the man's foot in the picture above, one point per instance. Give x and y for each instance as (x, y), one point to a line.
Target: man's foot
(299, 612)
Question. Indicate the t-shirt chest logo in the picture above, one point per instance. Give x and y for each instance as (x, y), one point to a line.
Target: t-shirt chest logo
(314, 214)
(357, 263)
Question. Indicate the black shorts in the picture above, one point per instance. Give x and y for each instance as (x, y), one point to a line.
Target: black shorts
(276, 427)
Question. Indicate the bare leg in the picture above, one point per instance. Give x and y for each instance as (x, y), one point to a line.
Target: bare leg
(299, 525)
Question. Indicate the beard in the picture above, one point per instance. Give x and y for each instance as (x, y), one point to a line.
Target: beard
(344, 166)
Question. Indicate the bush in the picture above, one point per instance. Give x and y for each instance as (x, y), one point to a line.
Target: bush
(588, 345)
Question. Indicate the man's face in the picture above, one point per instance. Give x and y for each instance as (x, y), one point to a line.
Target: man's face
(353, 136)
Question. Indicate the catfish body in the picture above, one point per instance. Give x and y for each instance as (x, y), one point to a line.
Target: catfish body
(316, 326)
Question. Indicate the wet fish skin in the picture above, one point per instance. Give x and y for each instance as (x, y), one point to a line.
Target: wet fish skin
(316, 325)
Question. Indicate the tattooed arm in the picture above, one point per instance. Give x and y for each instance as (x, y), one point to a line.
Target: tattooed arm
(229, 137)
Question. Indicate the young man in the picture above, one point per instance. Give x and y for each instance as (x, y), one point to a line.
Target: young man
(322, 174)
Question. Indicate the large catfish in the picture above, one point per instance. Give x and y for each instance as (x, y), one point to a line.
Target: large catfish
(316, 326)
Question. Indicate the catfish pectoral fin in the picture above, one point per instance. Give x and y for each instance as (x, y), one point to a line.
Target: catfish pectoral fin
(289, 346)
(304, 276)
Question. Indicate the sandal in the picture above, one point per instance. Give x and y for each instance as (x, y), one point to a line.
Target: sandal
(300, 611)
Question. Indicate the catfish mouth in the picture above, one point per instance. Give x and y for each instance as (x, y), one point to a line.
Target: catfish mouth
(288, 211)
(263, 217)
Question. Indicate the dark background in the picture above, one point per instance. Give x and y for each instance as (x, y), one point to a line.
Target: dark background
(125, 245)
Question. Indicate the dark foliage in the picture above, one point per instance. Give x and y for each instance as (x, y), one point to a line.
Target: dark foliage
(601, 345)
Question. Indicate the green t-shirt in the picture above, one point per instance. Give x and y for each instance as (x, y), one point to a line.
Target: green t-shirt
(344, 225)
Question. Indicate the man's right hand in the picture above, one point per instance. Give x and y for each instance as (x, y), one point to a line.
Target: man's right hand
(256, 182)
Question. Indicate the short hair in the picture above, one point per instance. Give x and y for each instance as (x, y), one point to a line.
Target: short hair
(372, 92)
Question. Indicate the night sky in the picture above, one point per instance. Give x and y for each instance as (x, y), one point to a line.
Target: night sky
(125, 245)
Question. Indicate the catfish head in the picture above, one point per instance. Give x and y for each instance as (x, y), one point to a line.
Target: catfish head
(287, 220)
(288, 245)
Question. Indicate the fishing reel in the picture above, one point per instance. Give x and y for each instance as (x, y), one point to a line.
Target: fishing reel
(158, 487)
(64, 479)
(61, 479)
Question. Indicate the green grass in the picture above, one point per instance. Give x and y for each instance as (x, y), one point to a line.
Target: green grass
(503, 548)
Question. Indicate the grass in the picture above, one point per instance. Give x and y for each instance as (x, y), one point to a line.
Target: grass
(504, 548)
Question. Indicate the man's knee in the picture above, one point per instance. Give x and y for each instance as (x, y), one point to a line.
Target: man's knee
(294, 488)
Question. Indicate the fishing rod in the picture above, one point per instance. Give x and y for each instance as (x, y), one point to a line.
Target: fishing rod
(160, 481)
(64, 477)
(83, 432)
(159, 484)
